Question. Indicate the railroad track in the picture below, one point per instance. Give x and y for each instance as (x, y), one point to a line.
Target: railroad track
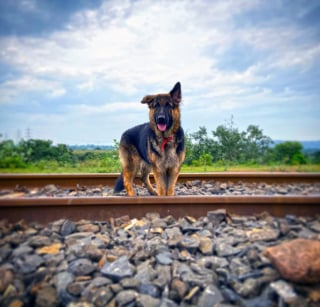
(46, 209)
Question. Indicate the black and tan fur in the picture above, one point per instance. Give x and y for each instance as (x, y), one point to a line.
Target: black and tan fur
(156, 146)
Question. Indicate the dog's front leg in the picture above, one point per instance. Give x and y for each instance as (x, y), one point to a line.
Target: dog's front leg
(128, 177)
(161, 182)
(173, 175)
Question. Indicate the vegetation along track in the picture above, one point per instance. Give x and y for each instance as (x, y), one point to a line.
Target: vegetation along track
(47, 209)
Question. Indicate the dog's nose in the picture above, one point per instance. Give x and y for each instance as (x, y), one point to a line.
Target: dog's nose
(161, 119)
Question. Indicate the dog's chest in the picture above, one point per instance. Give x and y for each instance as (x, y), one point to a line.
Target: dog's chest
(169, 156)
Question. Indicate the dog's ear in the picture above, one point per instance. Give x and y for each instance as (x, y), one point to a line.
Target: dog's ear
(175, 93)
(148, 99)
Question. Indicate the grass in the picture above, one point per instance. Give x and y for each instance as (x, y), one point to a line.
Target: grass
(84, 168)
(309, 168)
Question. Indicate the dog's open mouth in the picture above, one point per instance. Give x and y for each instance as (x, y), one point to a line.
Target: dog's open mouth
(162, 127)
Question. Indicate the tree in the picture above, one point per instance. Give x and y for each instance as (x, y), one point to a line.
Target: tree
(256, 144)
(230, 141)
(10, 156)
(289, 153)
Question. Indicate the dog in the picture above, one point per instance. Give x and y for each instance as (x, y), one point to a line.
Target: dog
(156, 146)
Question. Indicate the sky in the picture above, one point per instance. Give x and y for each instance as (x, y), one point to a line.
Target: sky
(74, 72)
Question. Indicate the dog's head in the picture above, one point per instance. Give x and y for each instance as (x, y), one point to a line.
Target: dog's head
(164, 109)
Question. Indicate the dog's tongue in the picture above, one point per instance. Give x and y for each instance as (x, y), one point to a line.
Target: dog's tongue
(162, 127)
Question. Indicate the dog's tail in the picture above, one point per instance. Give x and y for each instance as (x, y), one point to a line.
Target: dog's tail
(119, 186)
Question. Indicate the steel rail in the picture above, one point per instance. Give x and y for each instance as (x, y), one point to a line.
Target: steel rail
(46, 209)
(72, 180)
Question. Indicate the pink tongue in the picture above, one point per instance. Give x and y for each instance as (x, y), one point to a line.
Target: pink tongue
(162, 127)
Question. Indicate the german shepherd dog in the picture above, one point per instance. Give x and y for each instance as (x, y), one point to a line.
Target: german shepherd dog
(156, 146)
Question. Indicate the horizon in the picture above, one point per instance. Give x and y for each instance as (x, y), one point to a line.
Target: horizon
(75, 73)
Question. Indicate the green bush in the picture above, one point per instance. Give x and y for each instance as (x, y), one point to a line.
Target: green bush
(12, 162)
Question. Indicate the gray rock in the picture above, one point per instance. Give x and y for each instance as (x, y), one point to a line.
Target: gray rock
(149, 289)
(102, 297)
(47, 297)
(77, 287)
(190, 243)
(249, 288)
(22, 250)
(38, 241)
(211, 296)
(285, 291)
(61, 282)
(164, 258)
(217, 216)
(315, 226)
(67, 228)
(126, 297)
(81, 267)
(147, 301)
(118, 269)
(224, 249)
(100, 281)
(29, 263)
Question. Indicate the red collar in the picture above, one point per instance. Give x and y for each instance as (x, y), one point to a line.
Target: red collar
(165, 141)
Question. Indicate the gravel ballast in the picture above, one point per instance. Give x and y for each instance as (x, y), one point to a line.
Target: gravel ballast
(216, 260)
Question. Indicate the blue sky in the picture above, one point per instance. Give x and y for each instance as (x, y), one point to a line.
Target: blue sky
(75, 71)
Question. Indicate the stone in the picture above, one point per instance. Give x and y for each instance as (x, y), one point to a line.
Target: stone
(118, 269)
(315, 226)
(88, 228)
(179, 289)
(102, 297)
(6, 277)
(164, 258)
(297, 260)
(217, 216)
(248, 288)
(174, 236)
(93, 252)
(147, 301)
(47, 297)
(211, 296)
(81, 267)
(67, 228)
(29, 263)
(263, 234)
(130, 283)
(224, 249)
(38, 241)
(77, 287)
(285, 291)
(80, 304)
(22, 250)
(191, 243)
(206, 245)
(100, 281)
(126, 297)
(51, 249)
(62, 280)
(5, 251)
(149, 289)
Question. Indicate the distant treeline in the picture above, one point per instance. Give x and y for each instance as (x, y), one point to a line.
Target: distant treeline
(39, 153)
(226, 145)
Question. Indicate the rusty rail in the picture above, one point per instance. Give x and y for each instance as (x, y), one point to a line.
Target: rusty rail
(71, 180)
(44, 210)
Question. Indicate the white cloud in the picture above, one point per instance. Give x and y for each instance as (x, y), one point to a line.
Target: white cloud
(133, 48)
(11, 89)
(106, 109)
(128, 44)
